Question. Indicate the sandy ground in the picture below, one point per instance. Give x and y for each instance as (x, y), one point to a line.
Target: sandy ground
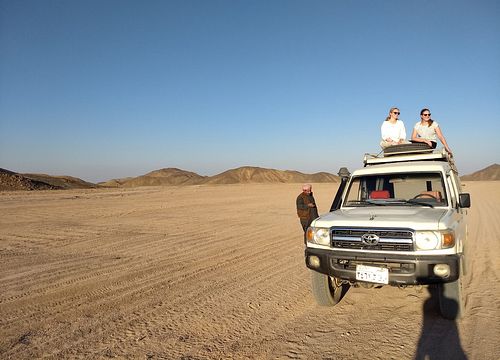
(214, 272)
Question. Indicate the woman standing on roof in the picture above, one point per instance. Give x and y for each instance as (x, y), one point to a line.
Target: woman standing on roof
(393, 130)
(427, 131)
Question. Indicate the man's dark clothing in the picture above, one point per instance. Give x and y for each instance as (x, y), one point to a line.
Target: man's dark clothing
(306, 214)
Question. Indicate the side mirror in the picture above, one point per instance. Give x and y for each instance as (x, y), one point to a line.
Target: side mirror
(344, 173)
(344, 177)
(464, 200)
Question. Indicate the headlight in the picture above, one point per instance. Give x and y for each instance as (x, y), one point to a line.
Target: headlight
(426, 240)
(320, 236)
(430, 240)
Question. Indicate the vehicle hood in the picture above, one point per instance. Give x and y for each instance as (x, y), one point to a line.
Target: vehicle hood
(418, 218)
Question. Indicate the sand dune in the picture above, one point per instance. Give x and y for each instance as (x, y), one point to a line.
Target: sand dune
(214, 272)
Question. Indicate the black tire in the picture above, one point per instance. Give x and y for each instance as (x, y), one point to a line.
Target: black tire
(327, 290)
(451, 301)
(401, 148)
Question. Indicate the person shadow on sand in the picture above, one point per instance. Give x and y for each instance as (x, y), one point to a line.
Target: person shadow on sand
(439, 338)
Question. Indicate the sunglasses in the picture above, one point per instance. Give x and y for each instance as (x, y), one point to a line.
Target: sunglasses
(426, 114)
(396, 112)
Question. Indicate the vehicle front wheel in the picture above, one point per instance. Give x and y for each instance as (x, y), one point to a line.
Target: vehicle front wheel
(327, 290)
(451, 302)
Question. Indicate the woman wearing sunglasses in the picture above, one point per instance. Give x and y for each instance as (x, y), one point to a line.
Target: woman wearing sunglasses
(428, 131)
(393, 130)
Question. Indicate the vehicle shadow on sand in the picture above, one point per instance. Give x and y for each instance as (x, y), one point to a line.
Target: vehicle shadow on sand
(439, 338)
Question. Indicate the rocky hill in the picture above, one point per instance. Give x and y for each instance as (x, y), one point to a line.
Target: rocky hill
(61, 182)
(162, 177)
(11, 181)
(241, 175)
(491, 172)
(250, 174)
(115, 182)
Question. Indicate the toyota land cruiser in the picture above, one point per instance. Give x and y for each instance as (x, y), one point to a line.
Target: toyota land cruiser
(401, 221)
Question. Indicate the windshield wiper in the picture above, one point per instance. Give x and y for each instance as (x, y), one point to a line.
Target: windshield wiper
(416, 202)
(366, 202)
(386, 202)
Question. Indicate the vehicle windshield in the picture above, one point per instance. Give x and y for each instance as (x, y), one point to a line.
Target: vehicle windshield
(403, 189)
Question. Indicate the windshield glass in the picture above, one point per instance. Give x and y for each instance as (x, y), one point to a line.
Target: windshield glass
(424, 189)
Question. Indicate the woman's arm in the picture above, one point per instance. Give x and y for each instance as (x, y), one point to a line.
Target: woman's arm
(443, 140)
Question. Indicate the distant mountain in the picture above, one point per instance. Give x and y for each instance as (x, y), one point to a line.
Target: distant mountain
(491, 172)
(250, 174)
(61, 182)
(115, 182)
(10, 180)
(162, 177)
(241, 175)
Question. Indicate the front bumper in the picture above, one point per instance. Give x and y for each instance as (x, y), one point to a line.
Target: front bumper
(403, 269)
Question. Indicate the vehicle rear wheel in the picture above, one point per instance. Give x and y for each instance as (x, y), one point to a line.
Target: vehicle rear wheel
(451, 301)
(327, 290)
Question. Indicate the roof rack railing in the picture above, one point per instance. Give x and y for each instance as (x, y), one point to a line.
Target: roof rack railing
(411, 155)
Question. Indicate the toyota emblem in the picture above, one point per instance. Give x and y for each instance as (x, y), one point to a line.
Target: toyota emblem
(370, 239)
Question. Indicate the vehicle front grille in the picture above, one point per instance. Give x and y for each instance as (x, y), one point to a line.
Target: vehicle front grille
(388, 239)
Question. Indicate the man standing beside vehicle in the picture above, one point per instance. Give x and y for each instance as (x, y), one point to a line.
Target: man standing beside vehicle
(306, 207)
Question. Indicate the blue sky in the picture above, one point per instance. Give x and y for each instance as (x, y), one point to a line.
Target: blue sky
(107, 89)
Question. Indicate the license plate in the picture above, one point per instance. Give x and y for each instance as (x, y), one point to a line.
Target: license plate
(372, 274)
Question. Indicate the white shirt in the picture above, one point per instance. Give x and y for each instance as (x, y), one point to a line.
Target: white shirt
(426, 132)
(395, 132)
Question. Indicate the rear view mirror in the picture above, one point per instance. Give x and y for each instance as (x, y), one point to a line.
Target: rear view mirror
(464, 200)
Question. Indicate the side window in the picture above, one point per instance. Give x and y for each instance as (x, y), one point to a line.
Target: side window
(359, 189)
(355, 192)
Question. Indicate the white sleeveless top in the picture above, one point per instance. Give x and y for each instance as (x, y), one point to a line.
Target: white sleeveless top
(427, 132)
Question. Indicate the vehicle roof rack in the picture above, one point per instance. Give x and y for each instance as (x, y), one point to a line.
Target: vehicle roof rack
(409, 155)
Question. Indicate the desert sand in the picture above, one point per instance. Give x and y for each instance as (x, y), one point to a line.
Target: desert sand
(215, 272)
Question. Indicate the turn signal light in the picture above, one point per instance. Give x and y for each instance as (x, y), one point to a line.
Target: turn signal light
(310, 234)
(448, 240)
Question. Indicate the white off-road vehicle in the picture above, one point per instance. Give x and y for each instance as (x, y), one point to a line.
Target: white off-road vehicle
(400, 220)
